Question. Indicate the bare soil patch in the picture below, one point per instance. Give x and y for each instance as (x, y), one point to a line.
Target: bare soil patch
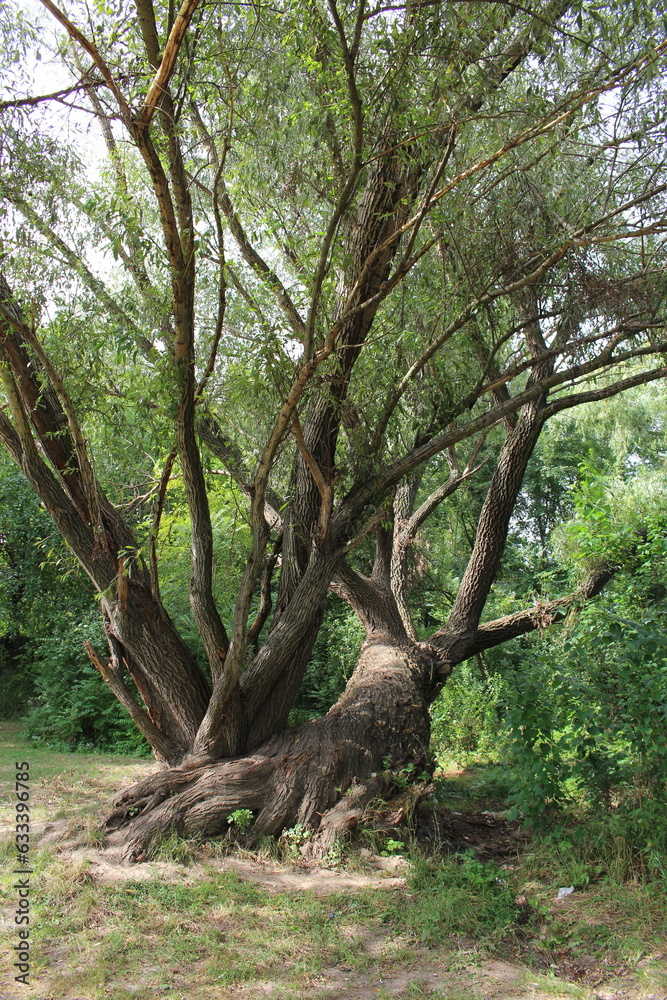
(105, 866)
(488, 834)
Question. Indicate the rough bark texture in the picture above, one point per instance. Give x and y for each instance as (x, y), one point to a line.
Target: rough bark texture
(324, 773)
(380, 721)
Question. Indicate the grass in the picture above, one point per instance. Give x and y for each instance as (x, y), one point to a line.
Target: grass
(187, 925)
(65, 786)
(476, 786)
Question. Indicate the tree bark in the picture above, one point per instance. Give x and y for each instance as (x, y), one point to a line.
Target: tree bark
(380, 722)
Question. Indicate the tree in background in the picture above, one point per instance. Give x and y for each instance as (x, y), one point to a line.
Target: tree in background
(365, 253)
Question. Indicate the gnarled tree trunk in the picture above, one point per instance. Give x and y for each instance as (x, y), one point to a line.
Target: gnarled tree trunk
(380, 722)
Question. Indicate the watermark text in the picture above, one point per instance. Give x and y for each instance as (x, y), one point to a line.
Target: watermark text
(22, 871)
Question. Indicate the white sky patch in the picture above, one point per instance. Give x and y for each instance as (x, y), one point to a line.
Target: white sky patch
(65, 121)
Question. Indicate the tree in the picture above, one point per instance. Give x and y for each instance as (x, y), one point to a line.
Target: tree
(362, 249)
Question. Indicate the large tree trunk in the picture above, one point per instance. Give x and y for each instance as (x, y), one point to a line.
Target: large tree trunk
(380, 723)
(324, 773)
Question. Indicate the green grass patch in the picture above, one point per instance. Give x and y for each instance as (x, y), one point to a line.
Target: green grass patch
(473, 787)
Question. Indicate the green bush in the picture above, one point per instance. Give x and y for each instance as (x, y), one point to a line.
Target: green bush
(71, 706)
(592, 736)
(47, 611)
(465, 720)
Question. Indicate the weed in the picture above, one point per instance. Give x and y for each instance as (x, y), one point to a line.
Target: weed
(289, 842)
(404, 776)
(241, 818)
(172, 847)
(457, 896)
(392, 847)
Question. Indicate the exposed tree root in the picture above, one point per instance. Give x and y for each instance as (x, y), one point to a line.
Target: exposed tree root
(321, 775)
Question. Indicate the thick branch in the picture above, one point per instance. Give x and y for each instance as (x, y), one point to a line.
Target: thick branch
(459, 646)
(100, 567)
(324, 488)
(372, 600)
(606, 392)
(168, 64)
(40, 402)
(542, 614)
(505, 485)
(87, 474)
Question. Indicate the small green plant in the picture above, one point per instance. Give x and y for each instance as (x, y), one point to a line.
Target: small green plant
(392, 847)
(96, 836)
(407, 775)
(290, 841)
(241, 818)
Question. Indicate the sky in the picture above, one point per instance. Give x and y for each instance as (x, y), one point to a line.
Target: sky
(43, 74)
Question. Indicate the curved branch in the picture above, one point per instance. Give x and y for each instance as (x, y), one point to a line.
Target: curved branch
(459, 647)
(606, 392)
(443, 492)
(56, 95)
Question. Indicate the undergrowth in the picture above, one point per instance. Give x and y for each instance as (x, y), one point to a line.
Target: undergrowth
(460, 895)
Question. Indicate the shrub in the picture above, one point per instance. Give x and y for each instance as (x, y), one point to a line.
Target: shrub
(465, 718)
